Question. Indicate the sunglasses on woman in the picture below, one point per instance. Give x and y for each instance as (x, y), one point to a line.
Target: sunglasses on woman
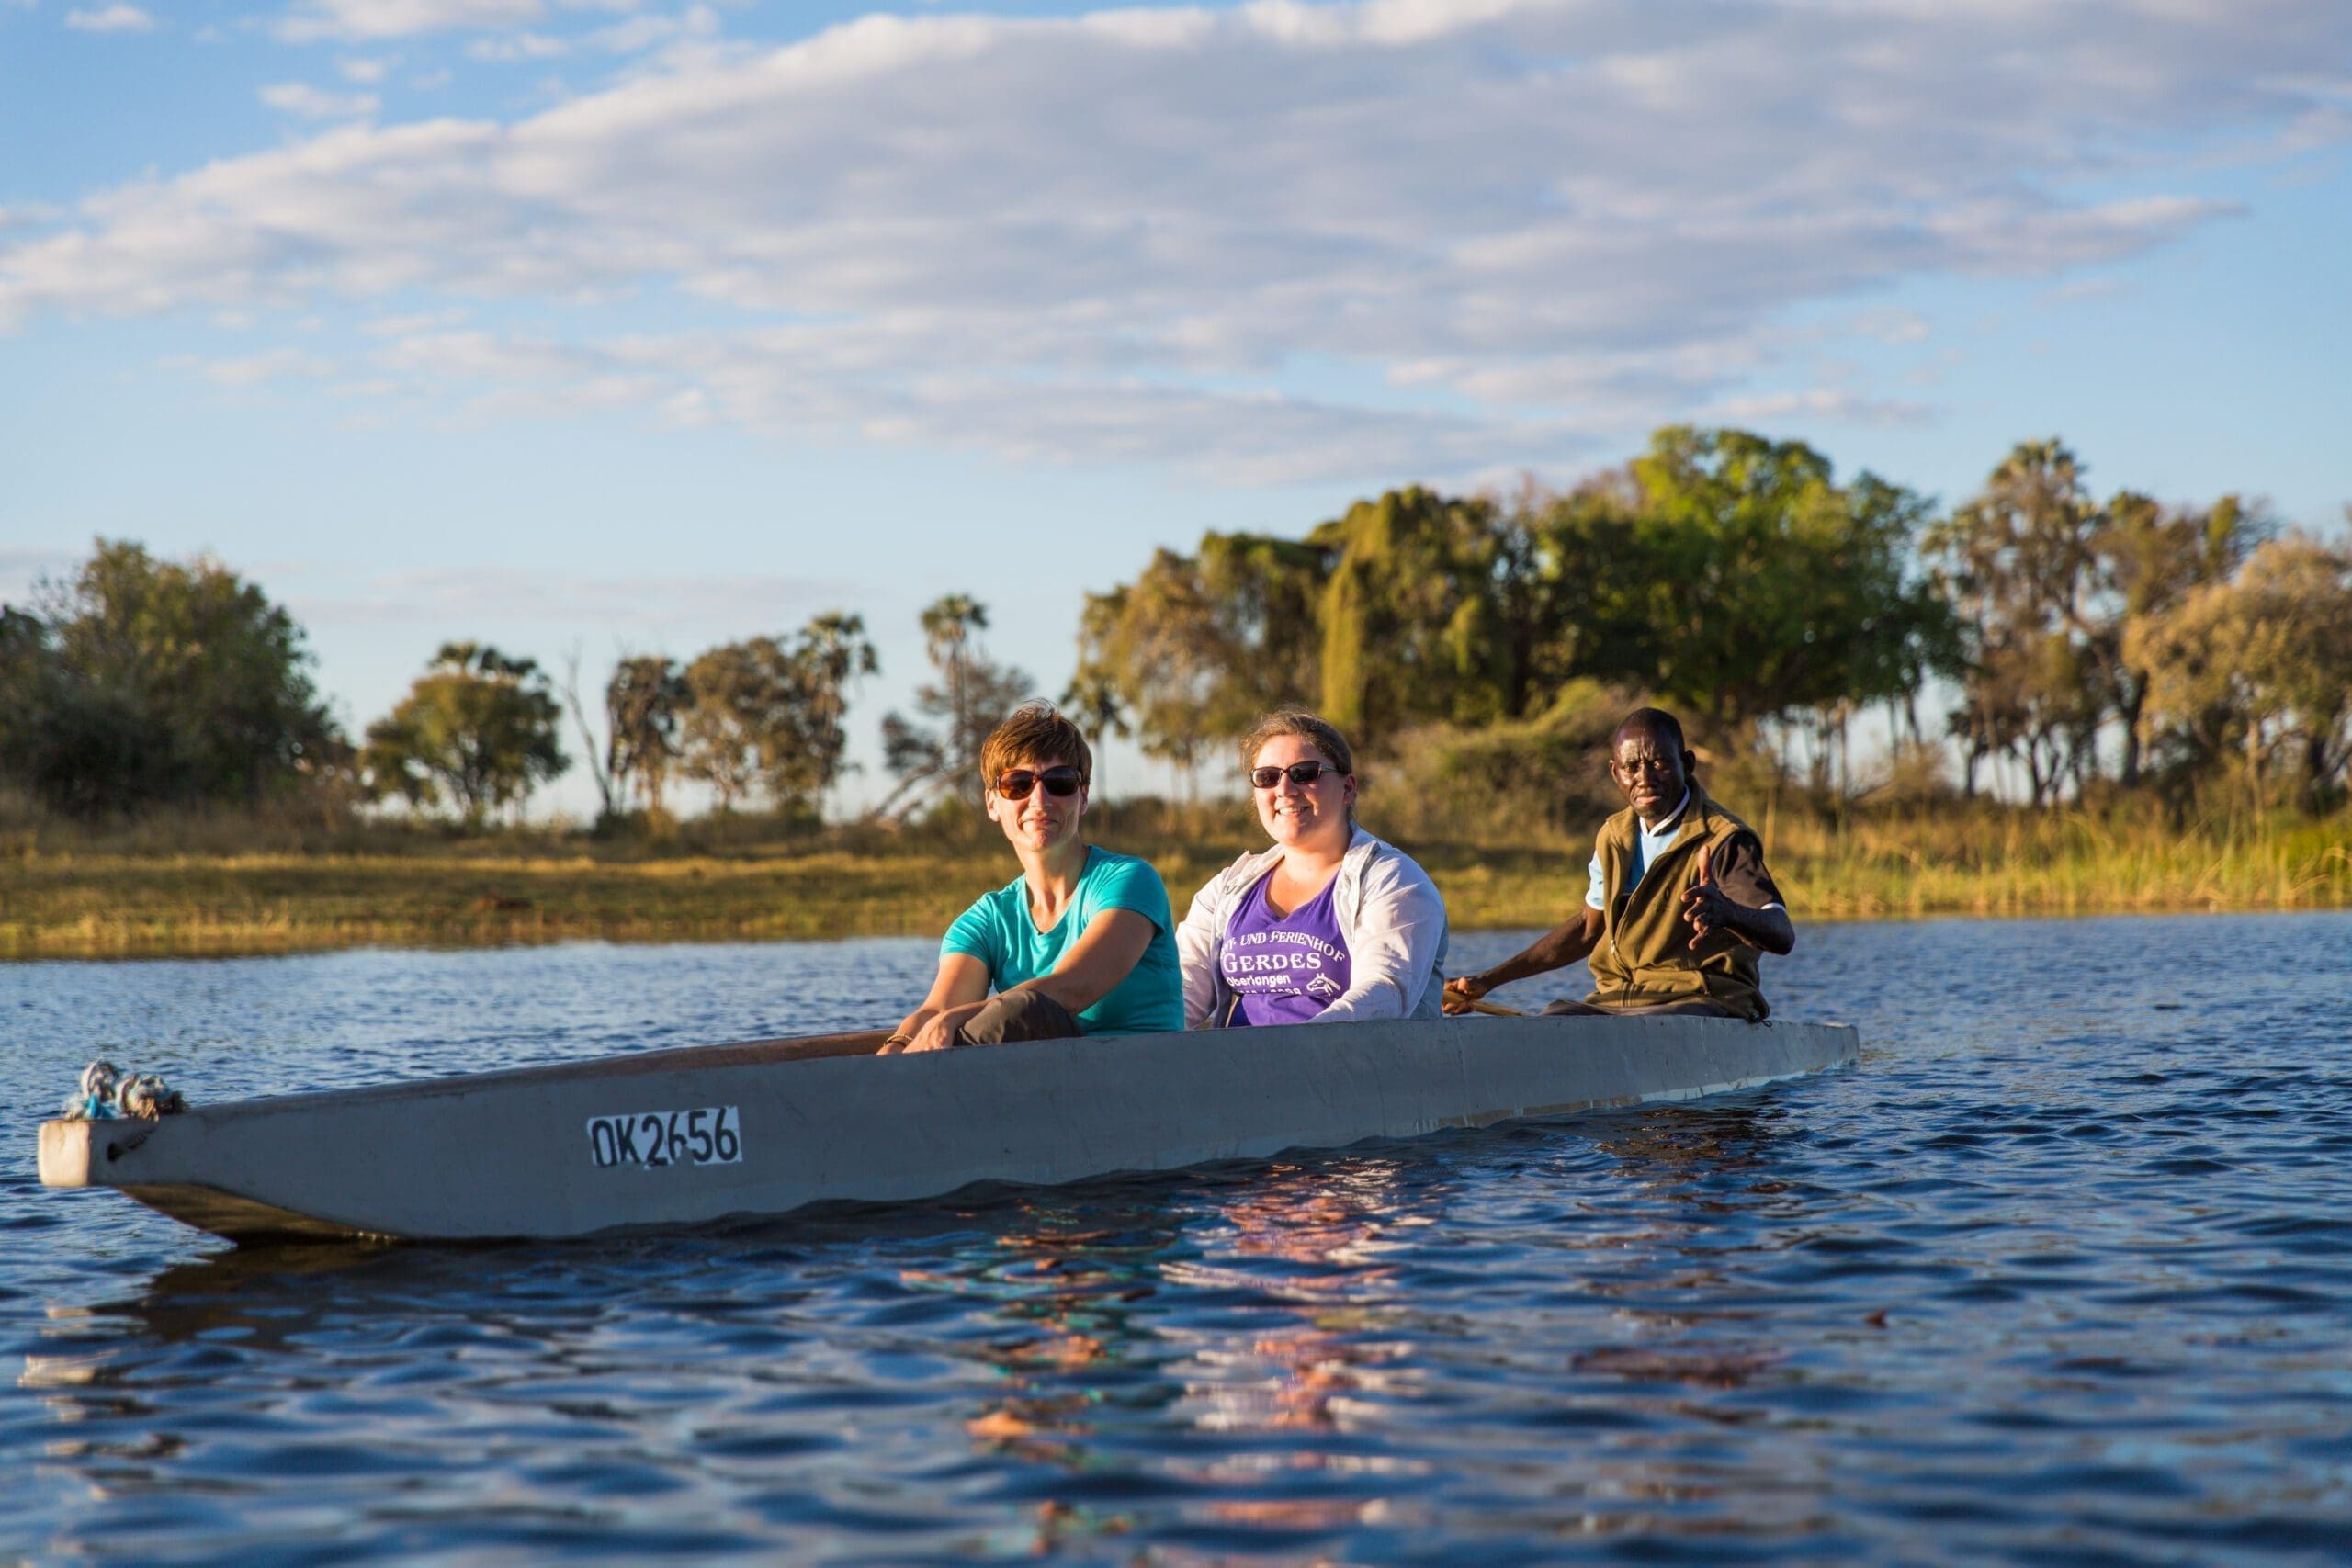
(1301, 773)
(1014, 784)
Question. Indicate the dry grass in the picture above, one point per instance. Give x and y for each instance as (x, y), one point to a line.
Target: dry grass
(123, 905)
(1954, 860)
(194, 887)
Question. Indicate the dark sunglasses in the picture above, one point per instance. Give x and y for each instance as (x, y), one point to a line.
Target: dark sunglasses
(1014, 784)
(1301, 773)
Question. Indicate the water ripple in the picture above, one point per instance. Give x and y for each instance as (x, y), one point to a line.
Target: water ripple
(2066, 1280)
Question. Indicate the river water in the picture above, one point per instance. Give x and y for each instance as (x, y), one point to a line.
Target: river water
(2062, 1273)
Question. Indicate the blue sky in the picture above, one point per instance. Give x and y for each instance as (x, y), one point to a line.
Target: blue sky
(618, 323)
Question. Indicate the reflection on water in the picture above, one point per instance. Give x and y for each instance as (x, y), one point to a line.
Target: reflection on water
(2064, 1280)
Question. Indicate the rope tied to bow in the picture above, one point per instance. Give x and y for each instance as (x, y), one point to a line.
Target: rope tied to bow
(106, 1092)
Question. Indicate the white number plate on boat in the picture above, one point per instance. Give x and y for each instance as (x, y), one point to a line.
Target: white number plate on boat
(709, 1135)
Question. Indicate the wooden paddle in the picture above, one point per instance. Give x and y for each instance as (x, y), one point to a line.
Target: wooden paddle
(1497, 1009)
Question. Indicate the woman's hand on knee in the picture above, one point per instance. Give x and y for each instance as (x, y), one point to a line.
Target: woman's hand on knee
(939, 1033)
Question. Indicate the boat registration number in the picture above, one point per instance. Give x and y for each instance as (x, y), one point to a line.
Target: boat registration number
(709, 1134)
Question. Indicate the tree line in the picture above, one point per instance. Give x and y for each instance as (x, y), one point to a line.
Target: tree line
(2120, 642)
(2117, 643)
(140, 682)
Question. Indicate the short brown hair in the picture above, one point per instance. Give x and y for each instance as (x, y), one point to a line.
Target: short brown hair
(1034, 732)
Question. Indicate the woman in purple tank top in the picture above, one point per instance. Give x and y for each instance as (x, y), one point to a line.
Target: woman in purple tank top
(1328, 924)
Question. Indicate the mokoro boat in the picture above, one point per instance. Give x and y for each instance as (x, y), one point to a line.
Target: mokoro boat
(684, 1136)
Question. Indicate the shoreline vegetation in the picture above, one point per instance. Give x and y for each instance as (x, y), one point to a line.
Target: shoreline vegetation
(225, 885)
(2063, 704)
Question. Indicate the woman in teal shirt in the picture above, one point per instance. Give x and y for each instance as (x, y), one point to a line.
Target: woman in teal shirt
(1080, 942)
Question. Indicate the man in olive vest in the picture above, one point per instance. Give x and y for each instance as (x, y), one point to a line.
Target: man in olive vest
(1679, 902)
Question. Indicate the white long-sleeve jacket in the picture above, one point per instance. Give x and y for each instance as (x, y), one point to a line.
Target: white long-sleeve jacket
(1388, 907)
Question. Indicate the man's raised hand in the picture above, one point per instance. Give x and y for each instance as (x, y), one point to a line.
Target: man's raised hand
(1705, 904)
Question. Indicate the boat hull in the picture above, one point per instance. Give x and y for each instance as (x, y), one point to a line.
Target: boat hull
(683, 1137)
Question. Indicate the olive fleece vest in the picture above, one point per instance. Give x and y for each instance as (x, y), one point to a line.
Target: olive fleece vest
(1644, 954)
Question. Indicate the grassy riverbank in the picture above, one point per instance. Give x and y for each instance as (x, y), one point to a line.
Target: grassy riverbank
(221, 886)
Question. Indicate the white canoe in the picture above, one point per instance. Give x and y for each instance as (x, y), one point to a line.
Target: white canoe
(684, 1136)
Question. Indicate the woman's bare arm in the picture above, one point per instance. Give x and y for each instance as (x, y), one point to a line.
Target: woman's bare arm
(1106, 953)
(957, 991)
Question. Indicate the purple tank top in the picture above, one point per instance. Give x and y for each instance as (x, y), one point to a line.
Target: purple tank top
(1288, 970)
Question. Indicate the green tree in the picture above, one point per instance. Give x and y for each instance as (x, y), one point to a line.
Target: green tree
(477, 730)
(2150, 558)
(1101, 711)
(965, 697)
(1418, 617)
(1750, 587)
(970, 698)
(2261, 666)
(739, 699)
(767, 713)
(828, 659)
(1268, 594)
(644, 702)
(27, 674)
(1197, 647)
(2050, 588)
(1154, 650)
(1878, 628)
(1722, 571)
(2019, 560)
(1579, 607)
(140, 681)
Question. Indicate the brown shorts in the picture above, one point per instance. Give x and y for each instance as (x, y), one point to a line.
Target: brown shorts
(1019, 1015)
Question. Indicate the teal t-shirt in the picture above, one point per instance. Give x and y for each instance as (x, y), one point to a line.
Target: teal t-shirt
(998, 932)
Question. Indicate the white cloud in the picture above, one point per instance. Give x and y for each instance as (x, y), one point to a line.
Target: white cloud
(2078, 290)
(241, 372)
(636, 35)
(442, 599)
(1286, 240)
(366, 72)
(368, 19)
(404, 326)
(26, 217)
(639, 33)
(110, 19)
(314, 103)
(516, 46)
(351, 21)
(1890, 326)
(1815, 405)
